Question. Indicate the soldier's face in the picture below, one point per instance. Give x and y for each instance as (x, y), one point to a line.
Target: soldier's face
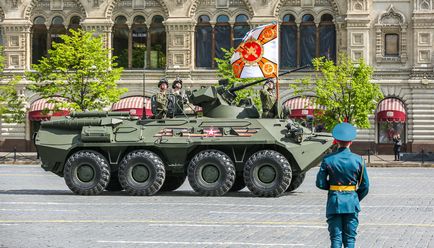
(163, 86)
(178, 86)
(270, 85)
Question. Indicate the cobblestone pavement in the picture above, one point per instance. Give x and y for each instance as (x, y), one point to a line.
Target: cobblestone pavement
(38, 210)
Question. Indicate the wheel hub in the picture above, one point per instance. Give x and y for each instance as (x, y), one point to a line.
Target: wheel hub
(210, 173)
(140, 173)
(85, 173)
(266, 174)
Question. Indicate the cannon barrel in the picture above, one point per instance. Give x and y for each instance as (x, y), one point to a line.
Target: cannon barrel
(237, 88)
(99, 114)
(75, 124)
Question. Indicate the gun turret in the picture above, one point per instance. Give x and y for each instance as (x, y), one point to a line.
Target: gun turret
(218, 102)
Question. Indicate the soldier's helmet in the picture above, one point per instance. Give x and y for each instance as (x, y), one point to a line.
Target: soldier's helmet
(163, 81)
(269, 81)
(177, 80)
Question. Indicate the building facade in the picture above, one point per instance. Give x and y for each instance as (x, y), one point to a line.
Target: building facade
(169, 38)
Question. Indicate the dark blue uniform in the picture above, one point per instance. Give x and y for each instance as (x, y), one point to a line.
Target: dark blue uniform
(340, 173)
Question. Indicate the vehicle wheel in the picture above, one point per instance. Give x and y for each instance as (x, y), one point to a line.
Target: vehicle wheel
(296, 181)
(267, 173)
(114, 184)
(86, 173)
(211, 173)
(239, 183)
(142, 172)
(172, 182)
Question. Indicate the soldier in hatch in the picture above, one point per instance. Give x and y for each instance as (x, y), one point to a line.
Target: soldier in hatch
(268, 99)
(161, 99)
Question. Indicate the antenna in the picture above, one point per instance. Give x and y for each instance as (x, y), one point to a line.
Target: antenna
(144, 84)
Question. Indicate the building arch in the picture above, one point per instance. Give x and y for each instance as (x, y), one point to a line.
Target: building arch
(281, 3)
(29, 9)
(195, 4)
(111, 6)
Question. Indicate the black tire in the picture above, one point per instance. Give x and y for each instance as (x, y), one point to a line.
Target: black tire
(173, 182)
(239, 183)
(114, 184)
(142, 172)
(297, 180)
(86, 172)
(267, 173)
(211, 173)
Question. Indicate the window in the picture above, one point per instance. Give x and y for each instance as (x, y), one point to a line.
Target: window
(307, 40)
(391, 45)
(39, 39)
(209, 41)
(157, 55)
(42, 38)
(327, 37)
(288, 41)
(140, 46)
(120, 41)
(241, 27)
(300, 45)
(222, 33)
(140, 42)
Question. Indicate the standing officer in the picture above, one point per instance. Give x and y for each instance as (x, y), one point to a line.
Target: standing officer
(344, 175)
(161, 99)
(268, 99)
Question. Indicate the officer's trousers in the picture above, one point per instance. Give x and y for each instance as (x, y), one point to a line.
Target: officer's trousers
(343, 229)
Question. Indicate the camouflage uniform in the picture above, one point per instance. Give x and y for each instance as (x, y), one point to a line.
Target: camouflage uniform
(268, 101)
(161, 100)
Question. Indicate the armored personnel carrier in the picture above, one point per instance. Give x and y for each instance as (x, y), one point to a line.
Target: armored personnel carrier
(226, 149)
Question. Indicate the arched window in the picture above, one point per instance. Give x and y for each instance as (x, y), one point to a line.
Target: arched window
(241, 27)
(327, 37)
(57, 28)
(120, 41)
(140, 37)
(39, 39)
(130, 46)
(209, 41)
(300, 45)
(158, 43)
(204, 42)
(74, 23)
(307, 39)
(288, 41)
(222, 34)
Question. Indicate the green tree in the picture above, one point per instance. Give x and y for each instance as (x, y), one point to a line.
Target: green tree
(78, 69)
(225, 71)
(344, 89)
(12, 106)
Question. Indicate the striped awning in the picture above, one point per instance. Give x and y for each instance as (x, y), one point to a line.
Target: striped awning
(42, 110)
(391, 109)
(134, 105)
(301, 106)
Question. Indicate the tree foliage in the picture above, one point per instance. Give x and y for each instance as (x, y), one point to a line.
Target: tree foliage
(79, 70)
(344, 89)
(12, 106)
(225, 71)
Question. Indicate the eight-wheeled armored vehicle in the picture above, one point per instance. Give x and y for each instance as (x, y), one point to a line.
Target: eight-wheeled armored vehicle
(226, 149)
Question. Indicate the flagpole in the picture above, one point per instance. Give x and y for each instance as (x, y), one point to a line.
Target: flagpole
(277, 74)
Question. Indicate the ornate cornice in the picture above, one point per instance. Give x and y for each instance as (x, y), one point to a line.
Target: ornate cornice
(31, 6)
(2, 14)
(112, 5)
(195, 4)
(280, 3)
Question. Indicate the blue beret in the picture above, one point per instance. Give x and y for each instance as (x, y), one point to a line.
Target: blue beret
(344, 132)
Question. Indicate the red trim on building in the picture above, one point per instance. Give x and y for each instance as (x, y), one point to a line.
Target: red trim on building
(134, 105)
(391, 109)
(41, 109)
(301, 107)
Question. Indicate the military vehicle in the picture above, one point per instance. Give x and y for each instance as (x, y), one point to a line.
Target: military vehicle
(226, 149)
